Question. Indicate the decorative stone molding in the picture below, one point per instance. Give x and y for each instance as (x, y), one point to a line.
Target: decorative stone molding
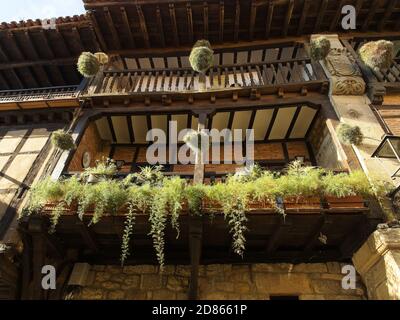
(342, 70)
(346, 78)
(378, 263)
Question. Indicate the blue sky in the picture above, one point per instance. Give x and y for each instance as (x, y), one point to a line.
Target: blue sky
(16, 10)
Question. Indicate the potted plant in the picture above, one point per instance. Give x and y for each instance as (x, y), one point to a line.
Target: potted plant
(104, 169)
(350, 134)
(62, 140)
(319, 48)
(201, 59)
(377, 55)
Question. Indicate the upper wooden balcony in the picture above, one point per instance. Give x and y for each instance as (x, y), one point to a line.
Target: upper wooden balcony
(248, 79)
(37, 98)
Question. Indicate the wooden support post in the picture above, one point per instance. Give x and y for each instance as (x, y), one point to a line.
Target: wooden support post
(196, 222)
(36, 228)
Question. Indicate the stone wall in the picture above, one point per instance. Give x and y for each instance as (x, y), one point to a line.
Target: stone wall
(257, 281)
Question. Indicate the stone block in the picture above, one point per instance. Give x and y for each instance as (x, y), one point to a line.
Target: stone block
(101, 277)
(310, 268)
(223, 286)
(272, 267)
(111, 285)
(131, 282)
(140, 269)
(151, 282)
(183, 271)
(91, 294)
(114, 269)
(334, 267)
(136, 295)
(116, 295)
(282, 283)
(177, 283)
(164, 295)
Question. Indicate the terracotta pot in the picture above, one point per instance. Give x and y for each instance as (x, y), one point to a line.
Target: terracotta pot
(302, 203)
(260, 205)
(346, 202)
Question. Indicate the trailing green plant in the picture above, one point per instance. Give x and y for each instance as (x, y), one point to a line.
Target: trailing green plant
(62, 140)
(319, 48)
(350, 134)
(201, 57)
(248, 173)
(377, 55)
(88, 64)
(163, 198)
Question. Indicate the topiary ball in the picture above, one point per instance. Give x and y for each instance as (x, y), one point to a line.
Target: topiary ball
(201, 57)
(88, 64)
(350, 134)
(377, 54)
(202, 43)
(62, 140)
(319, 48)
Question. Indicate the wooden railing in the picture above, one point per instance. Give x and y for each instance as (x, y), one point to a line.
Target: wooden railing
(278, 74)
(65, 96)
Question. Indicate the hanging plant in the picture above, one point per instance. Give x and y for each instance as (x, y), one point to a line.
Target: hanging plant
(88, 64)
(319, 48)
(350, 134)
(377, 55)
(202, 56)
(62, 140)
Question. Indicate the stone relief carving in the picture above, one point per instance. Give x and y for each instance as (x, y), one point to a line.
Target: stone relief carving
(345, 74)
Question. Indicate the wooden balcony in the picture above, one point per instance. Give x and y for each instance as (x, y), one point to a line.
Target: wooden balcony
(251, 79)
(37, 98)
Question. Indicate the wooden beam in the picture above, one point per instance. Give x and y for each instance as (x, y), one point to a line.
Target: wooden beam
(97, 31)
(270, 13)
(293, 122)
(111, 27)
(283, 227)
(370, 16)
(320, 17)
(205, 20)
(271, 124)
(253, 14)
(32, 63)
(160, 26)
(303, 17)
(189, 15)
(288, 17)
(88, 236)
(125, 20)
(221, 20)
(174, 24)
(237, 21)
(386, 16)
(143, 26)
(338, 14)
(78, 38)
(111, 127)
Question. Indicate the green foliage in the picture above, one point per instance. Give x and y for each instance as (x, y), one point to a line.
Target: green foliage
(150, 175)
(377, 55)
(162, 198)
(350, 134)
(196, 140)
(319, 48)
(104, 168)
(62, 140)
(201, 58)
(88, 64)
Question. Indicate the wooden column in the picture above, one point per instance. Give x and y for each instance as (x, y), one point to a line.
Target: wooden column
(196, 222)
(36, 228)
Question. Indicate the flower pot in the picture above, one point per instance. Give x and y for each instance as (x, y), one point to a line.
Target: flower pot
(345, 202)
(302, 203)
(211, 206)
(260, 205)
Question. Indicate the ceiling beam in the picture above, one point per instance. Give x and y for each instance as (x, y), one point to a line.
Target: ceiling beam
(189, 15)
(221, 20)
(205, 20)
(143, 26)
(111, 27)
(97, 31)
(160, 26)
(386, 16)
(271, 124)
(371, 14)
(31, 63)
(270, 13)
(303, 17)
(237, 21)
(253, 14)
(174, 24)
(320, 17)
(125, 20)
(335, 20)
(293, 122)
(288, 17)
